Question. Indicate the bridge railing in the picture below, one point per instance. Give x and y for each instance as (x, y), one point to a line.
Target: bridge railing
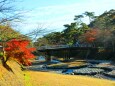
(64, 46)
(54, 46)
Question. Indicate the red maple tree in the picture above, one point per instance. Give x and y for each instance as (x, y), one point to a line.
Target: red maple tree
(90, 36)
(19, 50)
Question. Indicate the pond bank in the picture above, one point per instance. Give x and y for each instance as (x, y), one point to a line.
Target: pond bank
(98, 69)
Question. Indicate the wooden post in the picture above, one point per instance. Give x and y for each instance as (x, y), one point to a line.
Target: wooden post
(87, 54)
(48, 56)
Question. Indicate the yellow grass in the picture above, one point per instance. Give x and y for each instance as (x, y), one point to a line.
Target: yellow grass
(69, 64)
(52, 79)
(75, 63)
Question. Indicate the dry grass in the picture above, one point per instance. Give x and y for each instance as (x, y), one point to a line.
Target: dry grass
(69, 64)
(51, 79)
(75, 63)
(60, 65)
(8, 78)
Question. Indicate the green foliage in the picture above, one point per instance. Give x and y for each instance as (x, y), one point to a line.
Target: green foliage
(90, 15)
(1, 54)
(105, 20)
(41, 42)
(70, 33)
(54, 38)
(7, 33)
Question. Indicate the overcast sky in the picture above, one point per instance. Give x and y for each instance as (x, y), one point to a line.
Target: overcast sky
(53, 14)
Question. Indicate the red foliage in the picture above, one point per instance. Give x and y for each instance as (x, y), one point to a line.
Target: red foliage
(18, 49)
(90, 36)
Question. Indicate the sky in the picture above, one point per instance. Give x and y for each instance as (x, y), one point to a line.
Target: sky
(53, 14)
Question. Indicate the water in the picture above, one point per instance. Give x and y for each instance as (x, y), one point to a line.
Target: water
(55, 61)
(67, 71)
(41, 58)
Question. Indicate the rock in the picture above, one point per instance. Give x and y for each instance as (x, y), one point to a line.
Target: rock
(88, 71)
(111, 74)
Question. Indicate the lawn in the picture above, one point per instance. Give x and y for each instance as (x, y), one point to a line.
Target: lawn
(52, 79)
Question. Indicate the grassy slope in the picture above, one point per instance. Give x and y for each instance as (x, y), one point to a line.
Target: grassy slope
(18, 78)
(51, 79)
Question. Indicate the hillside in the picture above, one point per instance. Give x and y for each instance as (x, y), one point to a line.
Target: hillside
(15, 78)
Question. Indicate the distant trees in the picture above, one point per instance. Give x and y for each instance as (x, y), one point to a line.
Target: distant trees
(90, 15)
(7, 33)
(105, 20)
(70, 33)
(54, 38)
(104, 24)
(106, 36)
(78, 18)
(41, 42)
(90, 36)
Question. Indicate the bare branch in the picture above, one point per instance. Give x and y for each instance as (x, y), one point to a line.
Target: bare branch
(8, 12)
(39, 31)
